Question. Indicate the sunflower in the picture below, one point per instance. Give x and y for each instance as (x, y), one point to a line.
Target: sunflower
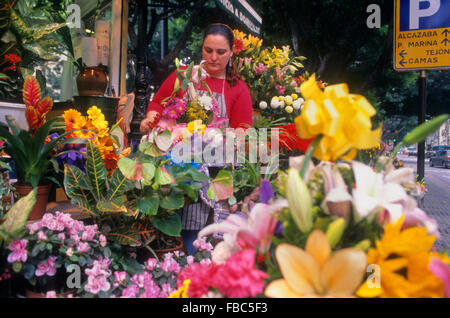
(403, 258)
(71, 116)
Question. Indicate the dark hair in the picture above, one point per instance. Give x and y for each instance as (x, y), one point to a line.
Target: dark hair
(231, 72)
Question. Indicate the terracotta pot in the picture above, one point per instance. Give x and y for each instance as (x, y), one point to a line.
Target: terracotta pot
(143, 254)
(41, 199)
(92, 80)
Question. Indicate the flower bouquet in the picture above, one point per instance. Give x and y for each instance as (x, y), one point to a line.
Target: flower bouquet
(337, 229)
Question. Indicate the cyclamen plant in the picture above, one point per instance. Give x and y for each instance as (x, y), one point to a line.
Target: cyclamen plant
(53, 244)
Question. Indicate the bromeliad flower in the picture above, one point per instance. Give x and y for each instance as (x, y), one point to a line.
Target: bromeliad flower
(315, 272)
(342, 119)
(36, 108)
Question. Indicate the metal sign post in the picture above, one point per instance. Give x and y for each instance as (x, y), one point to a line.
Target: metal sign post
(421, 42)
(421, 117)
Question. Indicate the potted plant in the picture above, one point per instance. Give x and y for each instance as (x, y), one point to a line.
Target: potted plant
(31, 149)
(12, 227)
(51, 245)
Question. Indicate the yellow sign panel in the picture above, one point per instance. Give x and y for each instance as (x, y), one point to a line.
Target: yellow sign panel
(422, 35)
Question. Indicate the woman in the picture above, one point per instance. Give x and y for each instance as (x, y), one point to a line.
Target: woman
(234, 101)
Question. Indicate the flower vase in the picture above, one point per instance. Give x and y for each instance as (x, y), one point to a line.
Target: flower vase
(92, 81)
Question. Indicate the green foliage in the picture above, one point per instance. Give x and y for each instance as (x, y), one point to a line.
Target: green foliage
(31, 152)
(14, 221)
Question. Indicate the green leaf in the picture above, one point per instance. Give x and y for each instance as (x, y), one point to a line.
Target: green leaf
(118, 184)
(148, 172)
(163, 177)
(221, 187)
(13, 125)
(174, 201)
(115, 206)
(17, 216)
(95, 170)
(128, 167)
(149, 204)
(191, 190)
(169, 224)
(74, 258)
(82, 261)
(125, 236)
(164, 140)
(421, 132)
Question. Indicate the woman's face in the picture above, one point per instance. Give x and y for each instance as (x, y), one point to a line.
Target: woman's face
(216, 53)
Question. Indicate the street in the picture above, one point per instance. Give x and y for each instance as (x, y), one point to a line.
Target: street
(437, 197)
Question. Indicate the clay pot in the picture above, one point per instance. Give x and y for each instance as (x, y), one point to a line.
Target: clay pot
(41, 199)
(143, 254)
(92, 80)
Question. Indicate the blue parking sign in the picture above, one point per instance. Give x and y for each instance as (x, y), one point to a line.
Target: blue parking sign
(424, 14)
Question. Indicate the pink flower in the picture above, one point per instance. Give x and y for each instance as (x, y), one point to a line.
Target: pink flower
(239, 277)
(201, 278)
(201, 244)
(41, 236)
(102, 239)
(120, 278)
(62, 236)
(33, 227)
(83, 247)
(442, 271)
(280, 89)
(130, 292)
(417, 217)
(69, 252)
(97, 284)
(47, 268)
(50, 294)
(19, 251)
(260, 68)
(190, 259)
(151, 264)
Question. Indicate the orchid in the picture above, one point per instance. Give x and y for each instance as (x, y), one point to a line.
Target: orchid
(315, 271)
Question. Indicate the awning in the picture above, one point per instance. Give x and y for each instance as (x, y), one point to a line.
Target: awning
(243, 13)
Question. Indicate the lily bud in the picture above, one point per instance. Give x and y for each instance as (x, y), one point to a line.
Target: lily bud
(299, 199)
(364, 245)
(335, 231)
(419, 134)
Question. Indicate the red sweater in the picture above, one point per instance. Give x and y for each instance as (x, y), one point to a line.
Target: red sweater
(237, 98)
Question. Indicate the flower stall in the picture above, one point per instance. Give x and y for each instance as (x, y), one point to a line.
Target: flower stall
(323, 212)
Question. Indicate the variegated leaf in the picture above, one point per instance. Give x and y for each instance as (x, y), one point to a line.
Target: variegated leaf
(118, 185)
(95, 170)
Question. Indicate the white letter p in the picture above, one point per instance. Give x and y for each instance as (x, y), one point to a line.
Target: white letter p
(415, 13)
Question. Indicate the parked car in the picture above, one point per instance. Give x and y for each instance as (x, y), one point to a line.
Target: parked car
(442, 158)
(430, 153)
(412, 151)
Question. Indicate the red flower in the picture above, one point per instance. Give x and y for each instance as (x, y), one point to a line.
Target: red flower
(238, 46)
(290, 141)
(12, 58)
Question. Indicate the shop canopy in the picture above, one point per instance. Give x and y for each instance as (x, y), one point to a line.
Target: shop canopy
(243, 13)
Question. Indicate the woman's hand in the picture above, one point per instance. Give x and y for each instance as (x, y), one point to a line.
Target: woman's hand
(150, 121)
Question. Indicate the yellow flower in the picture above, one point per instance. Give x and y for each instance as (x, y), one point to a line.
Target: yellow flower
(289, 109)
(182, 291)
(294, 96)
(196, 125)
(85, 129)
(94, 112)
(315, 272)
(403, 258)
(342, 119)
(71, 116)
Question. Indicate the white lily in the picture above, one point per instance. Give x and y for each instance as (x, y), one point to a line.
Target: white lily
(372, 194)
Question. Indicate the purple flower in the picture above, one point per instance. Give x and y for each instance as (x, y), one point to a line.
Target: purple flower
(266, 194)
(19, 251)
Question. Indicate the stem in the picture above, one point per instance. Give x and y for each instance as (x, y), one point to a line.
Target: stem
(308, 156)
(391, 156)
